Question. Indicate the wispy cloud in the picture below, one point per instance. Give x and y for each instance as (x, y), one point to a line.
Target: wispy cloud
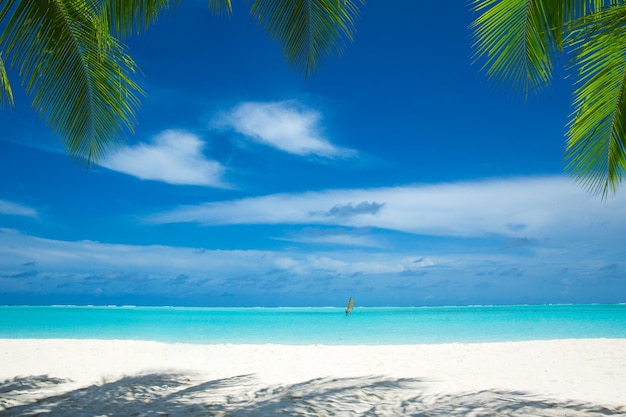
(536, 208)
(174, 157)
(16, 209)
(285, 125)
(336, 237)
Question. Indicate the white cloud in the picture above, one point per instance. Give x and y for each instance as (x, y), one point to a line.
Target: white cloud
(174, 157)
(528, 207)
(354, 238)
(344, 239)
(284, 125)
(33, 265)
(15, 209)
(17, 249)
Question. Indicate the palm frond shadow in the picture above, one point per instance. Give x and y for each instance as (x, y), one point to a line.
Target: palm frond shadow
(20, 384)
(176, 394)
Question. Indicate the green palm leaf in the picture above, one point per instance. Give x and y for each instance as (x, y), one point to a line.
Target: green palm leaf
(518, 40)
(78, 74)
(307, 30)
(6, 95)
(596, 143)
(220, 7)
(127, 16)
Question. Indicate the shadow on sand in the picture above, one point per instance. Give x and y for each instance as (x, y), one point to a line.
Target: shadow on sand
(172, 394)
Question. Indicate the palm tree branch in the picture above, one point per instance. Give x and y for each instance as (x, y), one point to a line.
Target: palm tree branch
(125, 17)
(218, 7)
(596, 138)
(78, 75)
(518, 39)
(6, 95)
(307, 30)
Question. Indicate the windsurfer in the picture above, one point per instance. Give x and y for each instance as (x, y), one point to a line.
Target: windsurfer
(350, 306)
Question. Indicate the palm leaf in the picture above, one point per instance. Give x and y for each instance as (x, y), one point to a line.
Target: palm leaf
(78, 74)
(307, 30)
(125, 17)
(220, 7)
(6, 95)
(518, 40)
(596, 139)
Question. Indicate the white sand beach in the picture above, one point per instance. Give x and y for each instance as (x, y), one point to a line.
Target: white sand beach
(113, 378)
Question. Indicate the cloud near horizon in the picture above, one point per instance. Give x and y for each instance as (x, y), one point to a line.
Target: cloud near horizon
(284, 125)
(538, 208)
(95, 272)
(174, 157)
(19, 250)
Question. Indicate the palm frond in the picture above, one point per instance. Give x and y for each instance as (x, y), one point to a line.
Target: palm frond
(518, 40)
(307, 30)
(78, 74)
(596, 138)
(6, 95)
(218, 7)
(125, 17)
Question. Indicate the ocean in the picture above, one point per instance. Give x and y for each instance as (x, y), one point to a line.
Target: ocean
(329, 326)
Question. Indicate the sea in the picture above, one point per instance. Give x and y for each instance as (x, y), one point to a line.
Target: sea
(326, 326)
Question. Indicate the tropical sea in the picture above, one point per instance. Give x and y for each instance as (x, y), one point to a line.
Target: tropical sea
(328, 326)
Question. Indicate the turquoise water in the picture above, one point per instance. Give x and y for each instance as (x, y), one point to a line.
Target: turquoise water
(368, 325)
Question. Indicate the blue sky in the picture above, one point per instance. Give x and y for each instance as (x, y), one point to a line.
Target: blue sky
(397, 175)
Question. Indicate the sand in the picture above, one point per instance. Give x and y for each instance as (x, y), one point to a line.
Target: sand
(136, 378)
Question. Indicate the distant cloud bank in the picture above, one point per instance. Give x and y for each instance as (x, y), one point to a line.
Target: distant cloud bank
(94, 272)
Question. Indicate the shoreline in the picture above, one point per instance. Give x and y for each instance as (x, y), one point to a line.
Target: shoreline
(230, 378)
